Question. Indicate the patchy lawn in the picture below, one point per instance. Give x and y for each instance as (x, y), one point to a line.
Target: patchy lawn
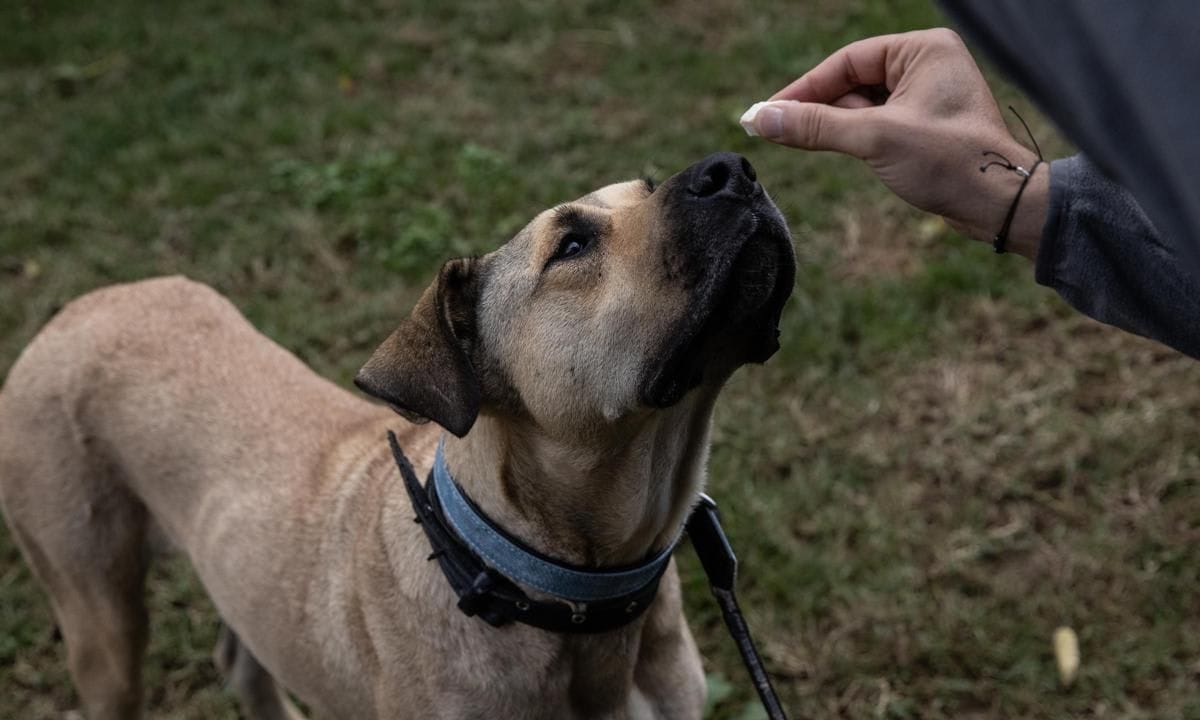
(942, 465)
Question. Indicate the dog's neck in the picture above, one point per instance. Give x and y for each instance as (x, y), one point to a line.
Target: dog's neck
(609, 499)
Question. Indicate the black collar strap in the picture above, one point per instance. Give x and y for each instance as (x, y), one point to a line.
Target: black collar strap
(495, 598)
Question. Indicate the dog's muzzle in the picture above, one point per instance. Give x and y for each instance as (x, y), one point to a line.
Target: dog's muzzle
(736, 262)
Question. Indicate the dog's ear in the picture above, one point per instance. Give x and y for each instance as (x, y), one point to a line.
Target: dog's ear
(423, 369)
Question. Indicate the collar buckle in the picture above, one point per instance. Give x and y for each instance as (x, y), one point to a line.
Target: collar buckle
(476, 598)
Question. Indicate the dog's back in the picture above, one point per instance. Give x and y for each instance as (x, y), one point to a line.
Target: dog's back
(134, 377)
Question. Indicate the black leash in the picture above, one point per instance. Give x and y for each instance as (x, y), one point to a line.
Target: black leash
(720, 565)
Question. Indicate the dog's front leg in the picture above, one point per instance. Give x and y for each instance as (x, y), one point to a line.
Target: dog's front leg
(668, 673)
(260, 696)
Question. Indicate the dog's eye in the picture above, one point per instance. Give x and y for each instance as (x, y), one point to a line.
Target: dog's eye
(571, 245)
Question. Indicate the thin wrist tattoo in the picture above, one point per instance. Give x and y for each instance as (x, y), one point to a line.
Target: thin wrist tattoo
(1000, 239)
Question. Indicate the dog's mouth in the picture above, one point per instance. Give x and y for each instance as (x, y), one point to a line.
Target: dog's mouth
(733, 315)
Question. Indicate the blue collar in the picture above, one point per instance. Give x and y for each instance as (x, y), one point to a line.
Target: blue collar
(511, 558)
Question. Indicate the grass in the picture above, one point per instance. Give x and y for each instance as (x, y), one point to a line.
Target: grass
(942, 465)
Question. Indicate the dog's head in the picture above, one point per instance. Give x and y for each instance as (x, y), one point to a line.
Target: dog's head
(600, 309)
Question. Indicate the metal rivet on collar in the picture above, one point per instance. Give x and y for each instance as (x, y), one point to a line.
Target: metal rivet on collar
(578, 618)
(631, 607)
(522, 605)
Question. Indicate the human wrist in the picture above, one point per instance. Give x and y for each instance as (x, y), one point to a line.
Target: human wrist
(1025, 234)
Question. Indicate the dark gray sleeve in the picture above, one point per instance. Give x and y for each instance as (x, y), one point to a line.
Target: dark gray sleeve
(1117, 76)
(1104, 257)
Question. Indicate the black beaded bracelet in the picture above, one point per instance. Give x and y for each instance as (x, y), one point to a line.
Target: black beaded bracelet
(1000, 239)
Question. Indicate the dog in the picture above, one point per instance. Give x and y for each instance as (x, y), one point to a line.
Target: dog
(571, 375)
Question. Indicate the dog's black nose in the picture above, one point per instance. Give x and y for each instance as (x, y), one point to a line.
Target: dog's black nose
(723, 174)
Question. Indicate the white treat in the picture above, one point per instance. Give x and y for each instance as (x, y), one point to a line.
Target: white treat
(1066, 655)
(747, 120)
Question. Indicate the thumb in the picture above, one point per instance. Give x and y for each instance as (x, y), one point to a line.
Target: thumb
(812, 126)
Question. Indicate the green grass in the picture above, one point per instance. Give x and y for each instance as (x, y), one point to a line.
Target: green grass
(941, 466)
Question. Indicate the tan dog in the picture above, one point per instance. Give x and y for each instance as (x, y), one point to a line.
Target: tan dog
(584, 356)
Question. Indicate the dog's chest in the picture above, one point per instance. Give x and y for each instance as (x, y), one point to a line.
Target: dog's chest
(476, 671)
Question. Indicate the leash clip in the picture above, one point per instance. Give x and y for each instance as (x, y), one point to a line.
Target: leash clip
(712, 545)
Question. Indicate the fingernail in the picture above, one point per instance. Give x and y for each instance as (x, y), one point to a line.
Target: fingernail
(770, 122)
(747, 120)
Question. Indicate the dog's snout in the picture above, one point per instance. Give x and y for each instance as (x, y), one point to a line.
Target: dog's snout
(723, 174)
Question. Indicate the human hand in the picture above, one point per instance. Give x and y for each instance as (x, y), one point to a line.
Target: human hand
(917, 110)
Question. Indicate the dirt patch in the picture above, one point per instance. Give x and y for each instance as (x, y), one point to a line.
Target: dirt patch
(1038, 398)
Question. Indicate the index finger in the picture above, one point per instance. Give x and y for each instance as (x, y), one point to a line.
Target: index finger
(863, 62)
